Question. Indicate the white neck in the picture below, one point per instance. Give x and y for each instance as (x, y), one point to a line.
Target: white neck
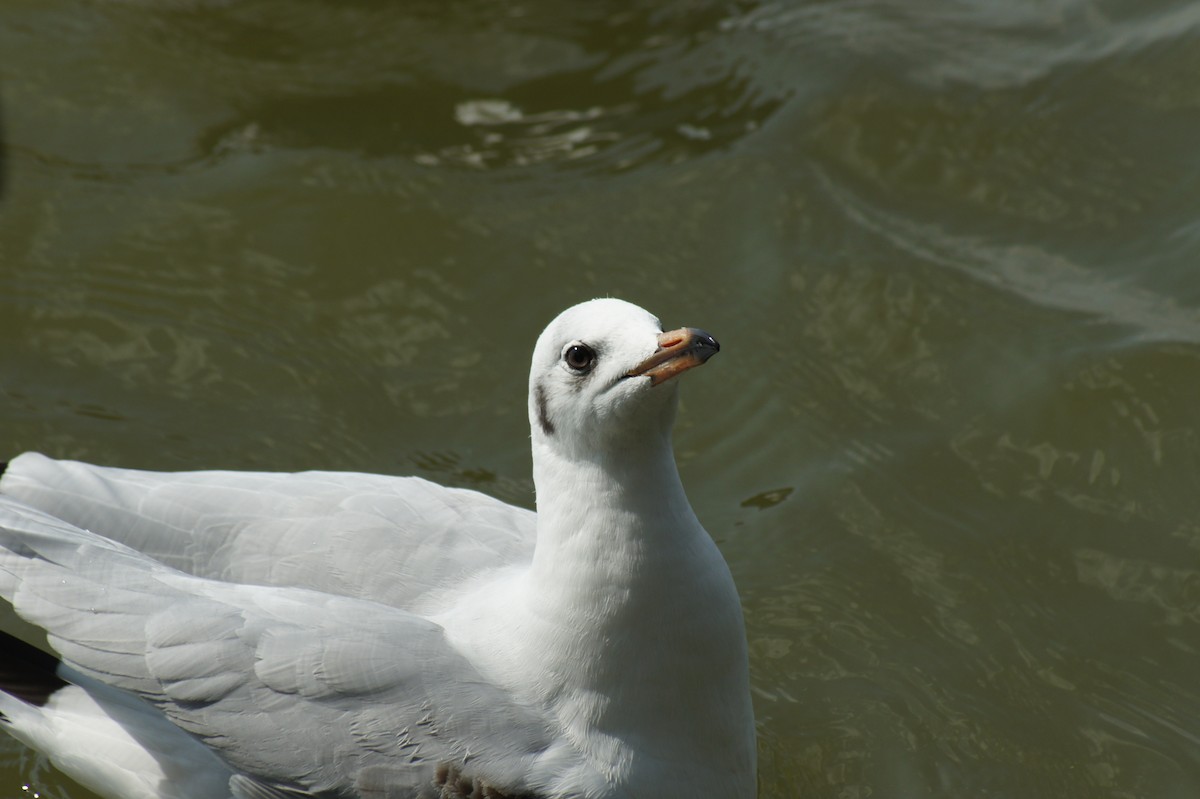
(626, 630)
(609, 517)
(624, 575)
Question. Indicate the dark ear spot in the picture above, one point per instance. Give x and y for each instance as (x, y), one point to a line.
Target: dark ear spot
(543, 416)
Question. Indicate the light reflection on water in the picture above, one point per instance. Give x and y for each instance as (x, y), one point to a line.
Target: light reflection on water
(950, 446)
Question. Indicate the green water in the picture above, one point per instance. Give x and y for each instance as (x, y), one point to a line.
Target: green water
(951, 445)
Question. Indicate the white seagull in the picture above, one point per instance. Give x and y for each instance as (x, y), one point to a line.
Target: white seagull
(238, 635)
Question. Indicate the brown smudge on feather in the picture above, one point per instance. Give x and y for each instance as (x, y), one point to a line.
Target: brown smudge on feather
(453, 784)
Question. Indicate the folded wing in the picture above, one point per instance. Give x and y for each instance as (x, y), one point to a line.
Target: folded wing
(297, 690)
(390, 539)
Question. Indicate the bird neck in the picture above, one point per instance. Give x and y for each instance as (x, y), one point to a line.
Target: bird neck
(633, 615)
(609, 514)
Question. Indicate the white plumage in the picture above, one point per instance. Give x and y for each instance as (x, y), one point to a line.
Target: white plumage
(273, 636)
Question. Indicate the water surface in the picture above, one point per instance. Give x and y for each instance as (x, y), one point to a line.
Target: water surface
(951, 444)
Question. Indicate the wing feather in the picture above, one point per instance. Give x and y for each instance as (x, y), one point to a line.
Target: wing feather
(391, 539)
(298, 690)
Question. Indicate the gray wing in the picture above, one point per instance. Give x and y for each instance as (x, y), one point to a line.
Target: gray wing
(389, 539)
(299, 691)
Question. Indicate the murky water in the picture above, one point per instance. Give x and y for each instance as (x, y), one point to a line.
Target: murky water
(951, 447)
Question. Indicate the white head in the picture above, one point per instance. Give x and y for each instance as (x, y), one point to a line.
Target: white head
(601, 378)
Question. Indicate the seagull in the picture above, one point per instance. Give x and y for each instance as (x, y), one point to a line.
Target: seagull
(249, 635)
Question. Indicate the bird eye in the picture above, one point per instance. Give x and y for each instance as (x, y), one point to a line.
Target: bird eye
(580, 357)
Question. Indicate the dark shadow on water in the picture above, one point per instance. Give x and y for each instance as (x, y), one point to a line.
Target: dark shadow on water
(585, 91)
(768, 499)
(3, 158)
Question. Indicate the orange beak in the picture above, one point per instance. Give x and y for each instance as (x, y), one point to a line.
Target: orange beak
(678, 351)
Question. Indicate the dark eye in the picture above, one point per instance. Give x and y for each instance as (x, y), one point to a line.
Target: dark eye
(580, 357)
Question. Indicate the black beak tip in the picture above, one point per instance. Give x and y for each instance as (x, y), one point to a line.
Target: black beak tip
(706, 340)
(704, 344)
